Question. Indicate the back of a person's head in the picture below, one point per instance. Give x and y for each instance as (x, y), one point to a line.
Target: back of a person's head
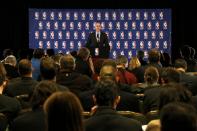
(67, 62)
(140, 54)
(151, 75)
(25, 67)
(134, 63)
(11, 60)
(185, 51)
(180, 63)
(7, 52)
(170, 75)
(110, 62)
(121, 60)
(47, 68)
(153, 56)
(50, 52)
(38, 53)
(106, 91)
(63, 112)
(193, 52)
(108, 72)
(41, 92)
(178, 117)
(174, 93)
(83, 53)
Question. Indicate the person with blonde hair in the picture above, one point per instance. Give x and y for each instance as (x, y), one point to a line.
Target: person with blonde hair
(134, 63)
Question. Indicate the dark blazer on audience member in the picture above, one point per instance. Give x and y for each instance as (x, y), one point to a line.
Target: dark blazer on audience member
(128, 101)
(30, 121)
(20, 86)
(151, 98)
(74, 81)
(106, 119)
(9, 106)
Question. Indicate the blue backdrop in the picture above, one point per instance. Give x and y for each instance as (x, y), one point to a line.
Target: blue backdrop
(128, 30)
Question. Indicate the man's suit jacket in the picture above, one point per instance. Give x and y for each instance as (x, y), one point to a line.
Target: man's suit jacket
(106, 119)
(102, 45)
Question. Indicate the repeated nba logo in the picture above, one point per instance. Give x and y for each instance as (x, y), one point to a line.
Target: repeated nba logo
(126, 45)
(52, 15)
(67, 15)
(137, 35)
(44, 15)
(122, 52)
(71, 45)
(114, 35)
(149, 25)
(75, 16)
(60, 35)
(67, 35)
(103, 25)
(56, 44)
(145, 16)
(122, 35)
(153, 35)
(36, 34)
(36, 15)
(60, 15)
(122, 16)
(52, 34)
(157, 44)
(118, 45)
(91, 17)
(161, 15)
(110, 25)
(137, 15)
(161, 35)
(48, 44)
(118, 25)
(87, 26)
(133, 44)
(141, 25)
(83, 35)
(44, 35)
(79, 45)
(40, 25)
(141, 44)
(48, 25)
(106, 16)
(83, 16)
(107, 33)
(153, 16)
(149, 44)
(114, 16)
(75, 35)
(64, 45)
(165, 25)
(99, 16)
(133, 25)
(129, 54)
(40, 44)
(129, 16)
(157, 25)
(79, 26)
(114, 54)
(126, 25)
(56, 25)
(165, 45)
(63, 25)
(129, 35)
(145, 35)
(71, 25)
(146, 54)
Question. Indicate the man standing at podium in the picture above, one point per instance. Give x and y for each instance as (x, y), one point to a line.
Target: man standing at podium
(98, 43)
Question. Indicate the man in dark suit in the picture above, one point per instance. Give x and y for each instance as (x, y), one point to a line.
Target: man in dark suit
(98, 43)
(105, 117)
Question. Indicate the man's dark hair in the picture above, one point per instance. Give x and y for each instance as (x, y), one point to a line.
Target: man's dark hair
(180, 63)
(67, 62)
(140, 54)
(153, 56)
(193, 52)
(50, 52)
(110, 62)
(178, 117)
(47, 68)
(170, 75)
(151, 75)
(24, 67)
(41, 92)
(185, 51)
(38, 53)
(106, 91)
(7, 52)
(108, 72)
